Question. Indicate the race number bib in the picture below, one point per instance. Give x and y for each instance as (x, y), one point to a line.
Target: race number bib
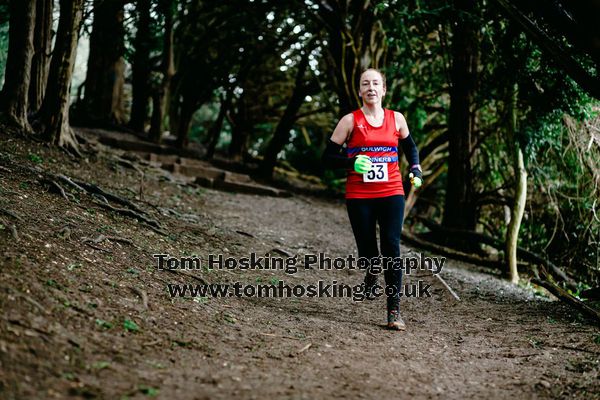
(377, 173)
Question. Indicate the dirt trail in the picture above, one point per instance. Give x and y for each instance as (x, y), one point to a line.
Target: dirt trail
(96, 321)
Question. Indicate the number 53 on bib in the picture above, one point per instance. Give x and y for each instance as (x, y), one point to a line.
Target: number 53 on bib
(377, 173)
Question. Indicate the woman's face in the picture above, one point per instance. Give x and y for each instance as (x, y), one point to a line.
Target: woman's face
(371, 88)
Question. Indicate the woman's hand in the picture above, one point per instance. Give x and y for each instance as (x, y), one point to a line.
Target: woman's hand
(416, 177)
(362, 164)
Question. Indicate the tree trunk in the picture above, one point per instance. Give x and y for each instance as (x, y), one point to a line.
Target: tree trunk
(141, 68)
(239, 130)
(42, 44)
(185, 119)
(54, 113)
(215, 130)
(168, 70)
(282, 131)
(174, 105)
(156, 118)
(518, 207)
(459, 210)
(169, 55)
(18, 63)
(352, 48)
(104, 82)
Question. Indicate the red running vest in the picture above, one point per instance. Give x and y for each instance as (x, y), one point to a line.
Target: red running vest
(381, 144)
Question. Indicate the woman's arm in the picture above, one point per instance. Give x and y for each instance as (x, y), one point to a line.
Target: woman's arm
(409, 148)
(401, 125)
(343, 129)
(335, 156)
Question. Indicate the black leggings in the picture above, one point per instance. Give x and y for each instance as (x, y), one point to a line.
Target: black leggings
(364, 214)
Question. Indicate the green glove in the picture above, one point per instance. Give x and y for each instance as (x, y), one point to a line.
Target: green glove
(362, 164)
(416, 177)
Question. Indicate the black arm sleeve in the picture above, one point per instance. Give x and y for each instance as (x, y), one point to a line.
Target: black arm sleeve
(409, 148)
(335, 156)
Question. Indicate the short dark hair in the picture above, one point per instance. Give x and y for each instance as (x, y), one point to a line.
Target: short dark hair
(379, 72)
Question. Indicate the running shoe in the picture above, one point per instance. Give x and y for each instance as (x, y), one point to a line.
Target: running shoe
(395, 321)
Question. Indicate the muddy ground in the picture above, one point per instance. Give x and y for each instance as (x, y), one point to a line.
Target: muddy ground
(85, 319)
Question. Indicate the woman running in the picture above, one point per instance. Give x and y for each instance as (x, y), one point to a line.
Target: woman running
(374, 192)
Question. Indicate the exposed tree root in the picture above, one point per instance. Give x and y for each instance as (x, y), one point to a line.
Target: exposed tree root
(12, 228)
(65, 233)
(14, 233)
(29, 299)
(104, 199)
(10, 214)
(143, 295)
(102, 238)
(542, 279)
(523, 254)
(452, 292)
(60, 190)
(130, 213)
(195, 277)
(93, 246)
(456, 254)
(545, 281)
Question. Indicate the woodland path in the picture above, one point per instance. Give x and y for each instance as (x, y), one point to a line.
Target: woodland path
(65, 305)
